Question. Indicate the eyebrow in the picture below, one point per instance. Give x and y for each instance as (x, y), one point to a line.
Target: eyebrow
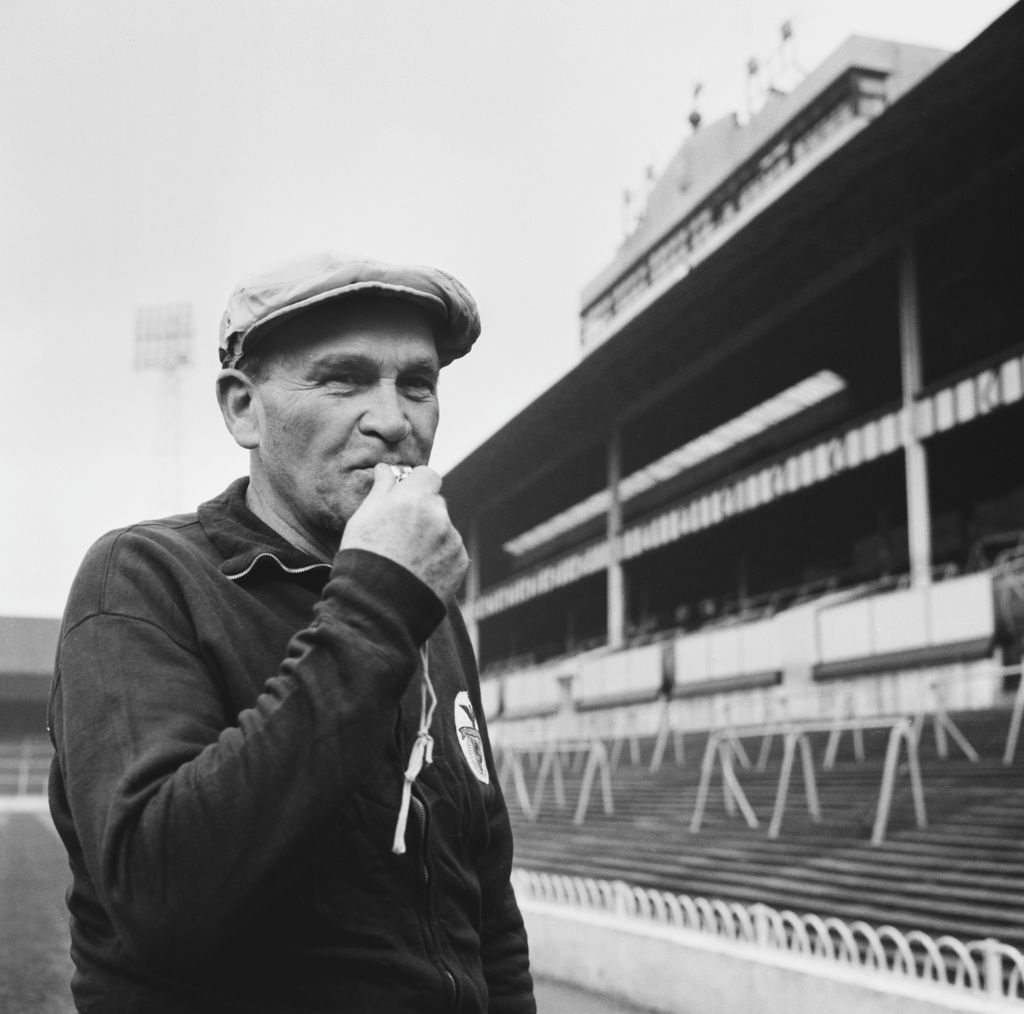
(360, 361)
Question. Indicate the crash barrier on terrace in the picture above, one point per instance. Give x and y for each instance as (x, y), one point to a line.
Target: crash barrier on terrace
(554, 754)
(666, 721)
(669, 730)
(780, 707)
(664, 950)
(844, 719)
(783, 705)
(1015, 719)
(722, 747)
(619, 728)
(944, 724)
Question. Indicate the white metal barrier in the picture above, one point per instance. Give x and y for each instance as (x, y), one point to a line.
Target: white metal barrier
(986, 969)
(944, 724)
(1015, 720)
(782, 709)
(554, 754)
(721, 747)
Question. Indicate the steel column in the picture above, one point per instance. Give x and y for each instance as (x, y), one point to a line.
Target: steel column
(919, 529)
(616, 582)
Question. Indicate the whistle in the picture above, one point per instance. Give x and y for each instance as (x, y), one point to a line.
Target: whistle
(400, 471)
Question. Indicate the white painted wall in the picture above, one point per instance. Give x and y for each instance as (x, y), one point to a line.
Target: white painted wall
(683, 972)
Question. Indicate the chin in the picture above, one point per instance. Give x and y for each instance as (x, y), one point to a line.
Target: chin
(347, 502)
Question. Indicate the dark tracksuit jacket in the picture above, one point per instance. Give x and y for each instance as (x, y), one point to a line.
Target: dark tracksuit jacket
(231, 721)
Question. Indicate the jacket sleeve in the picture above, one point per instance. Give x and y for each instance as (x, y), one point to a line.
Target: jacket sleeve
(505, 953)
(183, 825)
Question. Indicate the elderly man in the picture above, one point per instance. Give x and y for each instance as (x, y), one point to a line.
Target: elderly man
(272, 773)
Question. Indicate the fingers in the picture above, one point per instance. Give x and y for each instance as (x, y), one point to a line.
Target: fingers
(408, 522)
(383, 480)
(425, 478)
(422, 477)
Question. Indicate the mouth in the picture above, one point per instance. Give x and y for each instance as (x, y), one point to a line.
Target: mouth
(372, 464)
(398, 468)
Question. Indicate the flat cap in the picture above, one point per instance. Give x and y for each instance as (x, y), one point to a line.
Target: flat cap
(264, 301)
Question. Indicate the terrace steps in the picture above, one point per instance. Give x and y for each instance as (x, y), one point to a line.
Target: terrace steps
(962, 875)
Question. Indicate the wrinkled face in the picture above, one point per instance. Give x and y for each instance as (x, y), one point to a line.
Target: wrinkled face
(340, 392)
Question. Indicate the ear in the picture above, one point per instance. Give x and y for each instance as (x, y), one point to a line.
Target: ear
(240, 406)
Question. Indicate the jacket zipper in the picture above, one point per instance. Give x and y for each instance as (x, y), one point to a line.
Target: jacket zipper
(419, 807)
(286, 569)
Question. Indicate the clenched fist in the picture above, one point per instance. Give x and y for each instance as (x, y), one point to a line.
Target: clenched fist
(408, 522)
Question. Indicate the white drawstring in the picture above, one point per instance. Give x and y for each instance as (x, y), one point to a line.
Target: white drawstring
(420, 756)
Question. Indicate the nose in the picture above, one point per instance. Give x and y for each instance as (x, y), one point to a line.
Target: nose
(385, 415)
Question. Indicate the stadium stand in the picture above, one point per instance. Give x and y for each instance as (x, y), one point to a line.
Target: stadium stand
(777, 501)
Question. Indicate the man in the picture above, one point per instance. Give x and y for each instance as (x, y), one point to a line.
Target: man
(272, 773)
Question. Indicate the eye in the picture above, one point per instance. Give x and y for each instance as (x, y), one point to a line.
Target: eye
(419, 385)
(346, 380)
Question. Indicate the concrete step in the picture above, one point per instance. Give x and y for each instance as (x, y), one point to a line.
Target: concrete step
(963, 874)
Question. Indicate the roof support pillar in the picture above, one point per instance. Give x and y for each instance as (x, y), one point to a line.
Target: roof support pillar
(616, 581)
(919, 528)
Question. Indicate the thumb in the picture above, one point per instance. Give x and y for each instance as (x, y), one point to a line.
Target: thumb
(383, 480)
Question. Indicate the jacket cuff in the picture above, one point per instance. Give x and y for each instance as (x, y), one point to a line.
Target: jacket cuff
(386, 591)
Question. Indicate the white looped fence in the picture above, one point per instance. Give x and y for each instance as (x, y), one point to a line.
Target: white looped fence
(988, 967)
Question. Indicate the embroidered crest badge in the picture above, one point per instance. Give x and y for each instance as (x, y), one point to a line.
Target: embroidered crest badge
(469, 736)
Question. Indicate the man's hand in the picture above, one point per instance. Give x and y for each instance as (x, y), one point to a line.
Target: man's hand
(408, 522)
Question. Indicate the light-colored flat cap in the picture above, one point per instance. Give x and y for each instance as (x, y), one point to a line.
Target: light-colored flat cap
(264, 301)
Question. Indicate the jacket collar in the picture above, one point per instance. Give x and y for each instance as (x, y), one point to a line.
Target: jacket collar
(245, 542)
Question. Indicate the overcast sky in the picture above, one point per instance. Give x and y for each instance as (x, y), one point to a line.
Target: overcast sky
(153, 152)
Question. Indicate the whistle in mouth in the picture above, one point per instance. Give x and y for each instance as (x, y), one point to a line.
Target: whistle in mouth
(400, 471)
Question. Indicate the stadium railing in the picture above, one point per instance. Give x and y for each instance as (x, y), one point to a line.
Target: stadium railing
(721, 749)
(973, 975)
(554, 753)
